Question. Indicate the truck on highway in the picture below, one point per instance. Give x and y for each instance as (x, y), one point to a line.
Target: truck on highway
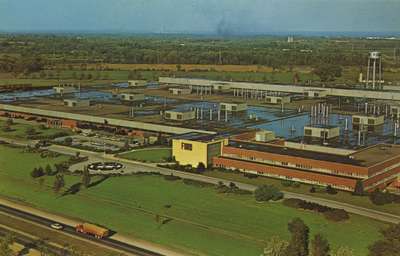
(92, 229)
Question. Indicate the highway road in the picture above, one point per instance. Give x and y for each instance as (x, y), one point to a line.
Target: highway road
(133, 250)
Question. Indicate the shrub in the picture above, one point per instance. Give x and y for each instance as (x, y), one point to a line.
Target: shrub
(330, 190)
(292, 202)
(37, 172)
(266, 193)
(336, 215)
(201, 168)
(313, 190)
(171, 177)
(328, 212)
(250, 175)
(380, 198)
(286, 183)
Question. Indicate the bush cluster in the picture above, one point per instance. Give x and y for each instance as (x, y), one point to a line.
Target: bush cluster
(266, 193)
(329, 213)
(381, 198)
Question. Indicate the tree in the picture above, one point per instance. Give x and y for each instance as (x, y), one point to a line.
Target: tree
(328, 72)
(37, 172)
(320, 246)
(59, 183)
(86, 177)
(359, 189)
(389, 245)
(9, 122)
(48, 170)
(265, 193)
(330, 190)
(5, 243)
(343, 251)
(298, 245)
(275, 247)
(30, 131)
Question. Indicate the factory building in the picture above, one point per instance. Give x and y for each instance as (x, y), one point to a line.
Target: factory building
(180, 91)
(277, 99)
(316, 93)
(136, 83)
(375, 167)
(132, 97)
(233, 107)
(64, 89)
(368, 120)
(322, 131)
(180, 115)
(72, 103)
(194, 148)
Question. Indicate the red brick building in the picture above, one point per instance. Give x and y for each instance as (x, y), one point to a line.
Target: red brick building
(376, 166)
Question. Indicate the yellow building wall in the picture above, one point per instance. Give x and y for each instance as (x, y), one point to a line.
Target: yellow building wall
(193, 157)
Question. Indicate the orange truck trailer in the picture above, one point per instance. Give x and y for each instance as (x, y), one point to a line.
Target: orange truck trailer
(96, 231)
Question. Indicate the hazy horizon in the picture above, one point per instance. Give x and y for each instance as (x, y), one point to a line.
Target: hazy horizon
(202, 17)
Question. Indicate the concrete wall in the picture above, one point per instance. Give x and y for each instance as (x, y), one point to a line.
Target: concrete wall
(132, 97)
(383, 95)
(233, 107)
(102, 120)
(316, 132)
(364, 119)
(180, 116)
(201, 152)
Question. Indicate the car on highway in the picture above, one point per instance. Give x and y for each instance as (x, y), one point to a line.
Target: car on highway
(56, 226)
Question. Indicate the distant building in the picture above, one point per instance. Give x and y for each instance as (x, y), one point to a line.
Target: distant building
(322, 131)
(178, 115)
(180, 91)
(316, 93)
(76, 103)
(368, 120)
(133, 97)
(195, 148)
(233, 107)
(277, 99)
(264, 136)
(137, 83)
(64, 89)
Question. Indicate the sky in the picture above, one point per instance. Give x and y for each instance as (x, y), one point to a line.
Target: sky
(222, 17)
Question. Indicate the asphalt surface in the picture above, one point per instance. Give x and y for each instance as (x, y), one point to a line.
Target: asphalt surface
(71, 230)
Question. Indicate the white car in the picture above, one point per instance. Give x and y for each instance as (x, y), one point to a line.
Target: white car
(56, 226)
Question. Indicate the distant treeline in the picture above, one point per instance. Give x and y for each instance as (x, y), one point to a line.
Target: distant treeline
(29, 52)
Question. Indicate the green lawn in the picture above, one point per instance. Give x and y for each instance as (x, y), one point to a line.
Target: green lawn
(198, 220)
(341, 196)
(19, 130)
(154, 155)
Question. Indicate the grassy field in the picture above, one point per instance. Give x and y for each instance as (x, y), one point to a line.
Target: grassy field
(154, 155)
(341, 196)
(19, 130)
(198, 220)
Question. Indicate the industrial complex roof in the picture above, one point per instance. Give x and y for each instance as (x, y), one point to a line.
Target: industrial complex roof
(377, 154)
(365, 158)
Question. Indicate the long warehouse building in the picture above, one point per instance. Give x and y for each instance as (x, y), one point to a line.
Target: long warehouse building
(100, 120)
(356, 93)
